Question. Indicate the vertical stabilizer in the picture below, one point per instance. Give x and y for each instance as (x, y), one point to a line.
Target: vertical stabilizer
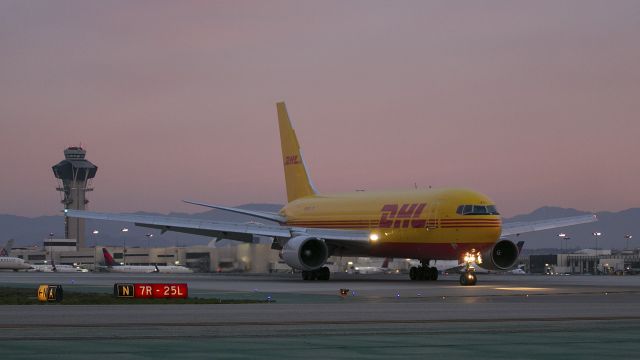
(6, 250)
(295, 172)
(108, 259)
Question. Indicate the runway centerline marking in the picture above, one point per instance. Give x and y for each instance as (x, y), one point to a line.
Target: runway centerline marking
(523, 289)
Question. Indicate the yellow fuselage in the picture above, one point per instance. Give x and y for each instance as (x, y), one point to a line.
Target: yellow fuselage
(423, 224)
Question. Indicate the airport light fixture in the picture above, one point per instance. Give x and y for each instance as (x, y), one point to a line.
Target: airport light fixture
(596, 235)
(124, 245)
(561, 236)
(149, 236)
(628, 237)
(95, 246)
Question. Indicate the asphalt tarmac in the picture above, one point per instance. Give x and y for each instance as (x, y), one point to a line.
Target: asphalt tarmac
(503, 317)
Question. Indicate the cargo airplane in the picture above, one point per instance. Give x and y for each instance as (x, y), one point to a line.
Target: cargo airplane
(425, 224)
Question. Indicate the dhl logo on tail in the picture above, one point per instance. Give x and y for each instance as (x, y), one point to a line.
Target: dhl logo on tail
(291, 160)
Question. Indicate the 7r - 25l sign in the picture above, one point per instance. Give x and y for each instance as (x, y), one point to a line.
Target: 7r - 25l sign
(148, 291)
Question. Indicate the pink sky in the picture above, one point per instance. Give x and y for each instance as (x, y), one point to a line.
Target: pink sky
(532, 103)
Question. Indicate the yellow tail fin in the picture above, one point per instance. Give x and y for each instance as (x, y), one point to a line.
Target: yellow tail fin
(295, 172)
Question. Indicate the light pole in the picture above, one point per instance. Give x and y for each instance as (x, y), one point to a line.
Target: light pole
(51, 235)
(596, 234)
(124, 245)
(627, 237)
(149, 236)
(95, 247)
(561, 236)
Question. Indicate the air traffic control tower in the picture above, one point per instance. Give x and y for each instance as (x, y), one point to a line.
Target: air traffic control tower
(74, 175)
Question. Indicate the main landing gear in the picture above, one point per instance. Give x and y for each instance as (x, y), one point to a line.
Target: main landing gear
(423, 272)
(468, 277)
(322, 273)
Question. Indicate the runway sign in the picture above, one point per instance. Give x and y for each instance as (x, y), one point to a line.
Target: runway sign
(151, 291)
(50, 293)
(123, 290)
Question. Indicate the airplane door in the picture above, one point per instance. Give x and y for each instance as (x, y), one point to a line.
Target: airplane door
(433, 222)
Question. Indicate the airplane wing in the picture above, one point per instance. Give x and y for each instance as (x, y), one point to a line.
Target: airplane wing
(259, 214)
(228, 230)
(517, 228)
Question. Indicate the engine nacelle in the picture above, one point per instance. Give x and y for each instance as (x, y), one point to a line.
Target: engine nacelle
(501, 256)
(305, 253)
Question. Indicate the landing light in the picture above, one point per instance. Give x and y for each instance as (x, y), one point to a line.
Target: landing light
(373, 237)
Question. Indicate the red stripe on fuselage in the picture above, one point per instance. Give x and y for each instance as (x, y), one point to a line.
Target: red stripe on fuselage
(442, 251)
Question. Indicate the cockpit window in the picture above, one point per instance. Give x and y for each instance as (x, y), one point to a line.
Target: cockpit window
(477, 210)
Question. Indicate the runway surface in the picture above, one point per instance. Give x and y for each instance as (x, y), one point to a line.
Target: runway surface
(384, 315)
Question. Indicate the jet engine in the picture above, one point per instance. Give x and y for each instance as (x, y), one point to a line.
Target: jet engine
(501, 256)
(305, 253)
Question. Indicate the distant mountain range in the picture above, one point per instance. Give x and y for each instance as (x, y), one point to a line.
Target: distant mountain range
(31, 231)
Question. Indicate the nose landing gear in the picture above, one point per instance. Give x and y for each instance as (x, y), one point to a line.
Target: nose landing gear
(468, 277)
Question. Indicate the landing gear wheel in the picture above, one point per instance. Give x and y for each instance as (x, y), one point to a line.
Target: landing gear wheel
(413, 273)
(433, 272)
(468, 279)
(423, 273)
(319, 274)
(323, 273)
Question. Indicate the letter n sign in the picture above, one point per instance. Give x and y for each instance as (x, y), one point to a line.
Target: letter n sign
(123, 290)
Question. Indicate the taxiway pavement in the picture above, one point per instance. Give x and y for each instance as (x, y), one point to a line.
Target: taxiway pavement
(504, 316)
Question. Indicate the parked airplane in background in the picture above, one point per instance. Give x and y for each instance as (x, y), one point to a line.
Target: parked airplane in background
(361, 269)
(8, 262)
(57, 268)
(13, 263)
(112, 266)
(447, 223)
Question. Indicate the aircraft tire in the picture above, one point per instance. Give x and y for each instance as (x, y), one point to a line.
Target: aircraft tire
(468, 279)
(306, 275)
(463, 279)
(413, 273)
(324, 273)
(474, 281)
(434, 273)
